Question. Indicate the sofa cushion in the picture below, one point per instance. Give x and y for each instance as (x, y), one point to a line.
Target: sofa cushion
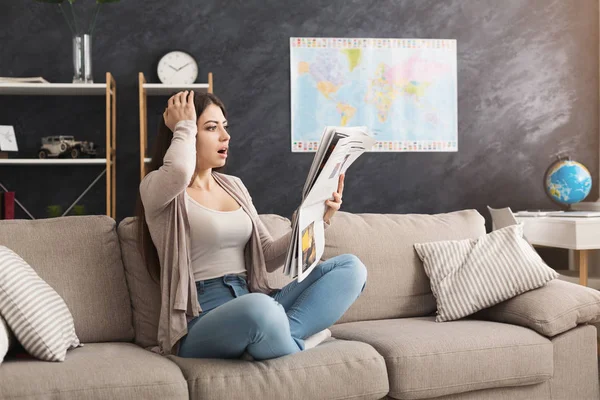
(80, 257)
(428, 359)
(145, 293)
(336, 369)
(575, 365)
(397, 285)
(552, 309)
(38, 316)
(95, 371)
(469, 275)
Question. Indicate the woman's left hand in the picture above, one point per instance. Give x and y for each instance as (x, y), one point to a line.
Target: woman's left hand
(335, 204)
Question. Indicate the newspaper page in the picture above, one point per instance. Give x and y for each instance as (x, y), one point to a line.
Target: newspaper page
(339, 148)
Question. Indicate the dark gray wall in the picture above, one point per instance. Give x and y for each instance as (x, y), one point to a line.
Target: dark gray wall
(527, 90)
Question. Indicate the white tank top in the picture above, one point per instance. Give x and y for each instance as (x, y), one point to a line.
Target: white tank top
(218, 239)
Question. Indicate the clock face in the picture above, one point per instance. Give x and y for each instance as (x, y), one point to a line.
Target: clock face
(177, 67)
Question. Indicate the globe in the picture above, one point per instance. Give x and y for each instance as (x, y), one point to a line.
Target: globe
(567, 182)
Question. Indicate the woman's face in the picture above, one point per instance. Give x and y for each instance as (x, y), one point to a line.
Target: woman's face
(212, 141)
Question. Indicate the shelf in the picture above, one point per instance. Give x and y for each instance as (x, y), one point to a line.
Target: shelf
(162, 89)
(54, 89)
(49, 161)
(108, 90)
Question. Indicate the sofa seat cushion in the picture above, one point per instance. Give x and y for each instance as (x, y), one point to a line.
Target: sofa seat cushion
(336, 369)
(94, 371)
(429, 359)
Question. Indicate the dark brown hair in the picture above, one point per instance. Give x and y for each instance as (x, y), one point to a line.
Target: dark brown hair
(161, 145)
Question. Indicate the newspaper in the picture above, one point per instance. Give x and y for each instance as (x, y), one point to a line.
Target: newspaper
(339, 148)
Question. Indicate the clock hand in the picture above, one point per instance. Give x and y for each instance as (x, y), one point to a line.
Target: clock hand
(184, 66)
(172, 67)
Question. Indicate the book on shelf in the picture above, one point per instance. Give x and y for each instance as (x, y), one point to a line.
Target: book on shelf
(32, 79)
(7, 205)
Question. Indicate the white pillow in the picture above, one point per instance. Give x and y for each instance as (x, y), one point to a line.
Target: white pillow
(36, 314)
(5, 339)
(469, 275)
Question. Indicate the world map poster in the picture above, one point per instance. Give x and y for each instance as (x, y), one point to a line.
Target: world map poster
(403, 90)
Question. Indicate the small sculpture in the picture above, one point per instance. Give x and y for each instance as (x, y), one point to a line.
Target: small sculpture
(57, 146)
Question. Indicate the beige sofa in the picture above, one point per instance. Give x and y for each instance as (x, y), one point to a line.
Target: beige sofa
(387, 345)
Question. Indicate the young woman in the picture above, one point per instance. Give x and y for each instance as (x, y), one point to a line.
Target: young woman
(204, 243)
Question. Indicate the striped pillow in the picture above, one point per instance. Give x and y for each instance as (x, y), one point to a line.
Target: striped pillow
(36, 314)
(469, 275)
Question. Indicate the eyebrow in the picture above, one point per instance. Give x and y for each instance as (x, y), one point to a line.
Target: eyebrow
(214, 122)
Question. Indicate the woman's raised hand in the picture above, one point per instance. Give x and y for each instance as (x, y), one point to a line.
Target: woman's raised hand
(180, 107)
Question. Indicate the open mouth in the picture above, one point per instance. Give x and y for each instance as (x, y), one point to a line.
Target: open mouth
(222, 151)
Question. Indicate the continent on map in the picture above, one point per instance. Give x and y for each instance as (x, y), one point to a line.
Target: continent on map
(354, 57)
(411, 79)
(381, 93)
(346, 112)
(326, 71)
(416, 70)
(416, 89)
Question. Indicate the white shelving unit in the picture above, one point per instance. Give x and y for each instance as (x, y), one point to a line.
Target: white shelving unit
(109, 90)
(50, 161)
(160, 89)
(53, 89)
(153, 89)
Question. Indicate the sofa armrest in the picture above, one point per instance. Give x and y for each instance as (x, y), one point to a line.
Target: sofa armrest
(549, 310)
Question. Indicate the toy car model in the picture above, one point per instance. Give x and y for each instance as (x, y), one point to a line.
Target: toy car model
(57, 146)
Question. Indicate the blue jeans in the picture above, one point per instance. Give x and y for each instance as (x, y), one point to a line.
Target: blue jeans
(269, 326)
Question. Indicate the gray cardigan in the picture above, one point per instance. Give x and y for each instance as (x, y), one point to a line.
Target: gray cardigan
(163, 194)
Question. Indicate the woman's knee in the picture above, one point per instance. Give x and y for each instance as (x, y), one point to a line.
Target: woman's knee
(262, 311)
(356, 268)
